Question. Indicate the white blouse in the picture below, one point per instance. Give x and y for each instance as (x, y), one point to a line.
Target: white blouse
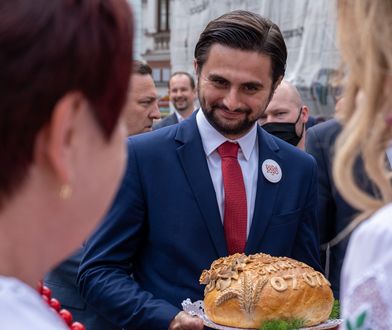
(366, 286)
(22, 308)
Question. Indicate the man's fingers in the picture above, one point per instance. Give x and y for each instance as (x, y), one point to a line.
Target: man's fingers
(184, 321)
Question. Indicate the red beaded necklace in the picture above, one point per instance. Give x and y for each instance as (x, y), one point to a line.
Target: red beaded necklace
(55, 305)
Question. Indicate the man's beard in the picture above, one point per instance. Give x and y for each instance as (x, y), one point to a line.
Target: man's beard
(224, 127)
(182, 108)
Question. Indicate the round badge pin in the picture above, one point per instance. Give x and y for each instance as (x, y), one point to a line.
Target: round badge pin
(271, 170)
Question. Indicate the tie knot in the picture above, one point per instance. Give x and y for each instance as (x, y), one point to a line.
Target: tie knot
(228, 149)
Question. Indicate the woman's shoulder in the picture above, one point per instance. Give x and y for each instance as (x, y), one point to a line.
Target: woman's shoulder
(366, 287)
(22, 308)
(369, 246)
(375, 233)
(379, 224)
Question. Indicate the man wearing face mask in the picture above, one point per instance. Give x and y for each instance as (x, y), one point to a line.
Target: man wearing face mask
(286, 115)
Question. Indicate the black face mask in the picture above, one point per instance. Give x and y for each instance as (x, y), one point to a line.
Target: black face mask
(285, 131)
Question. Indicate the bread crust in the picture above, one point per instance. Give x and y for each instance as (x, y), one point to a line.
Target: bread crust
(246, 291)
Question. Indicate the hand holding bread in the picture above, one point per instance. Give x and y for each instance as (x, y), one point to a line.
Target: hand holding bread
(184, 321)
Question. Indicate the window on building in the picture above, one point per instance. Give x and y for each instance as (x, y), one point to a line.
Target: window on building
(165, 74)
(156, 74)
(163, 15)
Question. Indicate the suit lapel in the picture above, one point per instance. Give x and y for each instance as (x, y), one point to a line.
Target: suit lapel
(174, 119)
(194, 163)
(265, 195)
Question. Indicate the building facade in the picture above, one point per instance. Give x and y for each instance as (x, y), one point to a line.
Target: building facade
(169, 30)
(155, 46)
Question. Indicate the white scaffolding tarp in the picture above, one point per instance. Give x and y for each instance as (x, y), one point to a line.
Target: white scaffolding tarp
(308, 26)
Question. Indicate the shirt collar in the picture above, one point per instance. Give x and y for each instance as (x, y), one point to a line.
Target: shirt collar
(179, 117)
(212, 139)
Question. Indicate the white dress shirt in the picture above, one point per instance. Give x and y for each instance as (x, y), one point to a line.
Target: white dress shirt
(179, 117)
(22, 308)
(248, 158)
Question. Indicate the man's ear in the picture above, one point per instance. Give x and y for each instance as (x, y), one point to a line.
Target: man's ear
(55, 141)
(305, 114)
(196, 67)
(277, 83)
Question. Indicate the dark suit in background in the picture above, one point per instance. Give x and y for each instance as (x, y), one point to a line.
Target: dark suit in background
(167, 121)
(334, 213)
(165, 227)
(62, 282)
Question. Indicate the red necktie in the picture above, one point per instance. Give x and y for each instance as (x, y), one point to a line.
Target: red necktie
(235, 215)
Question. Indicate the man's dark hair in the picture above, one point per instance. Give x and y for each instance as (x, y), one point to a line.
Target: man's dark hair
(49, 49)
(247, 31)
(141, 68)
(177, 73)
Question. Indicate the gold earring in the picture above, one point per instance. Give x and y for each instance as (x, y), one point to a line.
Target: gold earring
(65, 191)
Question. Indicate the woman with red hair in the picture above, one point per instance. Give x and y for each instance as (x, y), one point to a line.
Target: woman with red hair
(64, 74)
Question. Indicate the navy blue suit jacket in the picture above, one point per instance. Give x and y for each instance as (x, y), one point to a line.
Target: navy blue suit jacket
(334, 213)
(62, 282)
(165, 228)
(167, 121)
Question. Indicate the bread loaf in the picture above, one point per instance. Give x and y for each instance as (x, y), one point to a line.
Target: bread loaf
(245, 291)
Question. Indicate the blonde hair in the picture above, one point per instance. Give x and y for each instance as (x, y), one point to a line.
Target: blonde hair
(365, 35)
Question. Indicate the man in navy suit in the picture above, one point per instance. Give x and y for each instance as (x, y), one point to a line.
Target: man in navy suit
(167, 222)
(182, 93)
(334, 213)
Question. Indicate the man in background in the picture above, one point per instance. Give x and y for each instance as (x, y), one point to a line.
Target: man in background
(141, 109)
(334, 213)
(142, 106)
(182, 94)
(286, 115)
